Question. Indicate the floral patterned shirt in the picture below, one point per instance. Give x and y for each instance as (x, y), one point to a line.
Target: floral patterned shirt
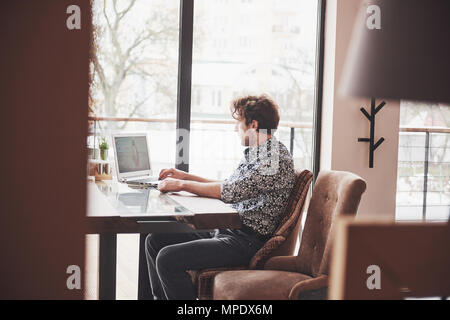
(260, 187)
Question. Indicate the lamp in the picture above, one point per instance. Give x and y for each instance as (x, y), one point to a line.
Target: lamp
(406, 56)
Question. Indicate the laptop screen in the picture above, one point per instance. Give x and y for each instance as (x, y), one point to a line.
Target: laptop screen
(132, 154)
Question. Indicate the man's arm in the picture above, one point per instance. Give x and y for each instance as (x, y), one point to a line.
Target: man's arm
(192, 177)
(178, 174)
(203, 189)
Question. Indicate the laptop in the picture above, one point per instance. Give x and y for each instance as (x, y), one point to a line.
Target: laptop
(132, 157)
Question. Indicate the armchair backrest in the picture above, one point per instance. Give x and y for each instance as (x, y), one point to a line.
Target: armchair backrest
(335, 193)
(283, 242)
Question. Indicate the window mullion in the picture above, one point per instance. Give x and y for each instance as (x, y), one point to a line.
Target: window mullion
(184, 84)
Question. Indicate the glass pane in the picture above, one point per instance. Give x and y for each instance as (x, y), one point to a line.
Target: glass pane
(409, 212)
(134, 72)
(411, 158)
(438, 212)
(251, 47)
(414, 165)
(438, 192)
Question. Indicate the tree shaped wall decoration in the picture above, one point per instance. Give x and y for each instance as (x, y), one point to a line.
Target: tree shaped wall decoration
(371, 117)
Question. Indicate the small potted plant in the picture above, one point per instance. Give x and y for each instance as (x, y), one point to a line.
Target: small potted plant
(103, 149)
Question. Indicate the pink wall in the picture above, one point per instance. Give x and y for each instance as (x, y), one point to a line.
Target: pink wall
(343, 123)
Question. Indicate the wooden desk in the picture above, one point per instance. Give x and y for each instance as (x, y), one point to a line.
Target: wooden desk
(115, 208)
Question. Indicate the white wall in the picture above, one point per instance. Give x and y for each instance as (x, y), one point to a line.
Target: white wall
(343, 123)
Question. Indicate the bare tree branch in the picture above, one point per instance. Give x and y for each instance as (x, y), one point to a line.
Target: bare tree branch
(101, 74)
(123, 13)
(105, 15)
(114, 63)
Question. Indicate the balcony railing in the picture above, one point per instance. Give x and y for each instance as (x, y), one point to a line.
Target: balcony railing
(283, 124)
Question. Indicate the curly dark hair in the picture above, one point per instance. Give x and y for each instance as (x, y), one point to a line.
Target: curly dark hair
(260, 108)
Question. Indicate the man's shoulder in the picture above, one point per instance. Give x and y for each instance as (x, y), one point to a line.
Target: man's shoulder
(273, 151)
(283, 152)
(277, 160)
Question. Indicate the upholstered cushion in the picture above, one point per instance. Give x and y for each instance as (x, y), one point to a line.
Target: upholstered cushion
(260, 258)
(335, 193)
(255, 284)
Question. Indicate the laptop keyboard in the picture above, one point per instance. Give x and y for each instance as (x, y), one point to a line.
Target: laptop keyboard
(144, 180)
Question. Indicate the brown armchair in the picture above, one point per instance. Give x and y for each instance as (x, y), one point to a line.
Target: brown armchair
(281, 243)
(305, 275)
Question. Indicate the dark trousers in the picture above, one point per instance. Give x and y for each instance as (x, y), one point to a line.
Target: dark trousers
(169, 256)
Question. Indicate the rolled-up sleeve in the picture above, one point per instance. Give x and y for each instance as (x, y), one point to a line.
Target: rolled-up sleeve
(226, 193)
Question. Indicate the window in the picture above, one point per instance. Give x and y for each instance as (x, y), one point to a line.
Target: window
(264, 58)
(423, 185)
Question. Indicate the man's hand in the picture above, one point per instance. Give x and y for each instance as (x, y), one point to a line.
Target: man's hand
(170, 185)
(172, 173)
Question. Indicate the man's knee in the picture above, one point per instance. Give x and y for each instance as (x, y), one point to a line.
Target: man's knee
(151, 244)
(167, 259)
(148, 241)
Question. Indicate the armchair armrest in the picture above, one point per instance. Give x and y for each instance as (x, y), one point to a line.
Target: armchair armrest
(308, 285)
(282, 263)
(264, 253)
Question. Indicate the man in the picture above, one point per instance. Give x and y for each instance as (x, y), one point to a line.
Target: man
(258, 189)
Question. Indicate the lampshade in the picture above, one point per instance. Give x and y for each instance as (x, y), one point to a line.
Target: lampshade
(407, 58)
